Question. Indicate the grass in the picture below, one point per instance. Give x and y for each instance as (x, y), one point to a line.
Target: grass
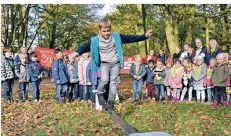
(52, 118)
(177, 118)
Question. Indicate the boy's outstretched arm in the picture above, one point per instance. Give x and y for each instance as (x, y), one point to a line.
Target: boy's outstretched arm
(135, 38)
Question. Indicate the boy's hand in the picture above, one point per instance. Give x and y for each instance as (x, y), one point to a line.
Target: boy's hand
(148, 33)
(135, 76)
(139, 77)
(58, 81)
(88, 83)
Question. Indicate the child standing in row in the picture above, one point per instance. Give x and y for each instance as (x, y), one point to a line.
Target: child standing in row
(22, 71)
(188, 82)
(72, 66)
(82, 71)
(150, 80)
(199, 73)
(35, 71)
(137, 71)
(219, 76)
(159, 75)
(228, 82)
(175, 78)
(7, 73)
(208, 81)
(60, 74)
(166, 79)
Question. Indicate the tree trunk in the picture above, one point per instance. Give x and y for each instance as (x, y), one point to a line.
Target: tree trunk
(7, 25)
(144, 16)
(224, 32)
(190, 25)
(142, 47)
(53, 36)
(171, 30)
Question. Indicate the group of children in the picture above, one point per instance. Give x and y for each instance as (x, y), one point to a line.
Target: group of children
(68, 72)
(174, 79)
(26, 71)
(171, 79)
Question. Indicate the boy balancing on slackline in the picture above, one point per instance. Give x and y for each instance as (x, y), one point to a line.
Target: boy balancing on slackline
(106, 53)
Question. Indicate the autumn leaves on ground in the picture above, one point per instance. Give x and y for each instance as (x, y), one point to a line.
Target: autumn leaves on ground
(49, 117)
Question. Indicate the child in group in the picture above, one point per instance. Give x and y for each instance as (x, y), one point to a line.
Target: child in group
(7, 72)
(150, 80)
(22, 71)
(208, 81)
(82, 71)
(137, 71)
(92, 78)
(177, 54)
(187, 82)
(199, 73)
(60, 75)
(185, 62)
(175, 80)
(166, 79)
(228, 82)
(159, 76)
(72, 67)
(162, 55)
(219, 76)
(35, 71)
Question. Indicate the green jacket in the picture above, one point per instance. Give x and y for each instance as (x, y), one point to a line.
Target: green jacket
(220, 75)
(161, 75)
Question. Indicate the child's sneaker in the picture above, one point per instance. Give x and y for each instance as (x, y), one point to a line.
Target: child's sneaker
(35, 100)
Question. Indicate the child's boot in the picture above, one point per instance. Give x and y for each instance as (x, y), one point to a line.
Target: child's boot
(214, 106)
(225, 103)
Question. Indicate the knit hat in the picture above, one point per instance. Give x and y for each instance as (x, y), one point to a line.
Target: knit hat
(169, 60)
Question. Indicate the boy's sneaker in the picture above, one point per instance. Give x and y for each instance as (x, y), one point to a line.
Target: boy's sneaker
(35, 100)
(27, 101)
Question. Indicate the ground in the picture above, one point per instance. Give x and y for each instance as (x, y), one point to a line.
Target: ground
(49, 117)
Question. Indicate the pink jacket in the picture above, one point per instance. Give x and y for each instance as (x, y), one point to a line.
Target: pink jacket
(82, 69)
(228, 83)
(176, 82)
(208, 82)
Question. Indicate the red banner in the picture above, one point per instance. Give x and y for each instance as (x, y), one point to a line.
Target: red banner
(46, 55)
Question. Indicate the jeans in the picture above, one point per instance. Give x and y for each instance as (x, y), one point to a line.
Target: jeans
(220, 90)
(210, 93)
(137, 87)
(23, 89)
(36, 90)
(84, 92)
(159, 88)
(8, 87)
(93, 87)
(109, 74)
(73, 87)
(60, 88)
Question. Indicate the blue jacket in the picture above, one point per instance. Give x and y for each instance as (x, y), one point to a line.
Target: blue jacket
(59, 71)
(150, 75)
(93, 46)
(35, 70)
(141, 71)
(210, 55)
(91, 75)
